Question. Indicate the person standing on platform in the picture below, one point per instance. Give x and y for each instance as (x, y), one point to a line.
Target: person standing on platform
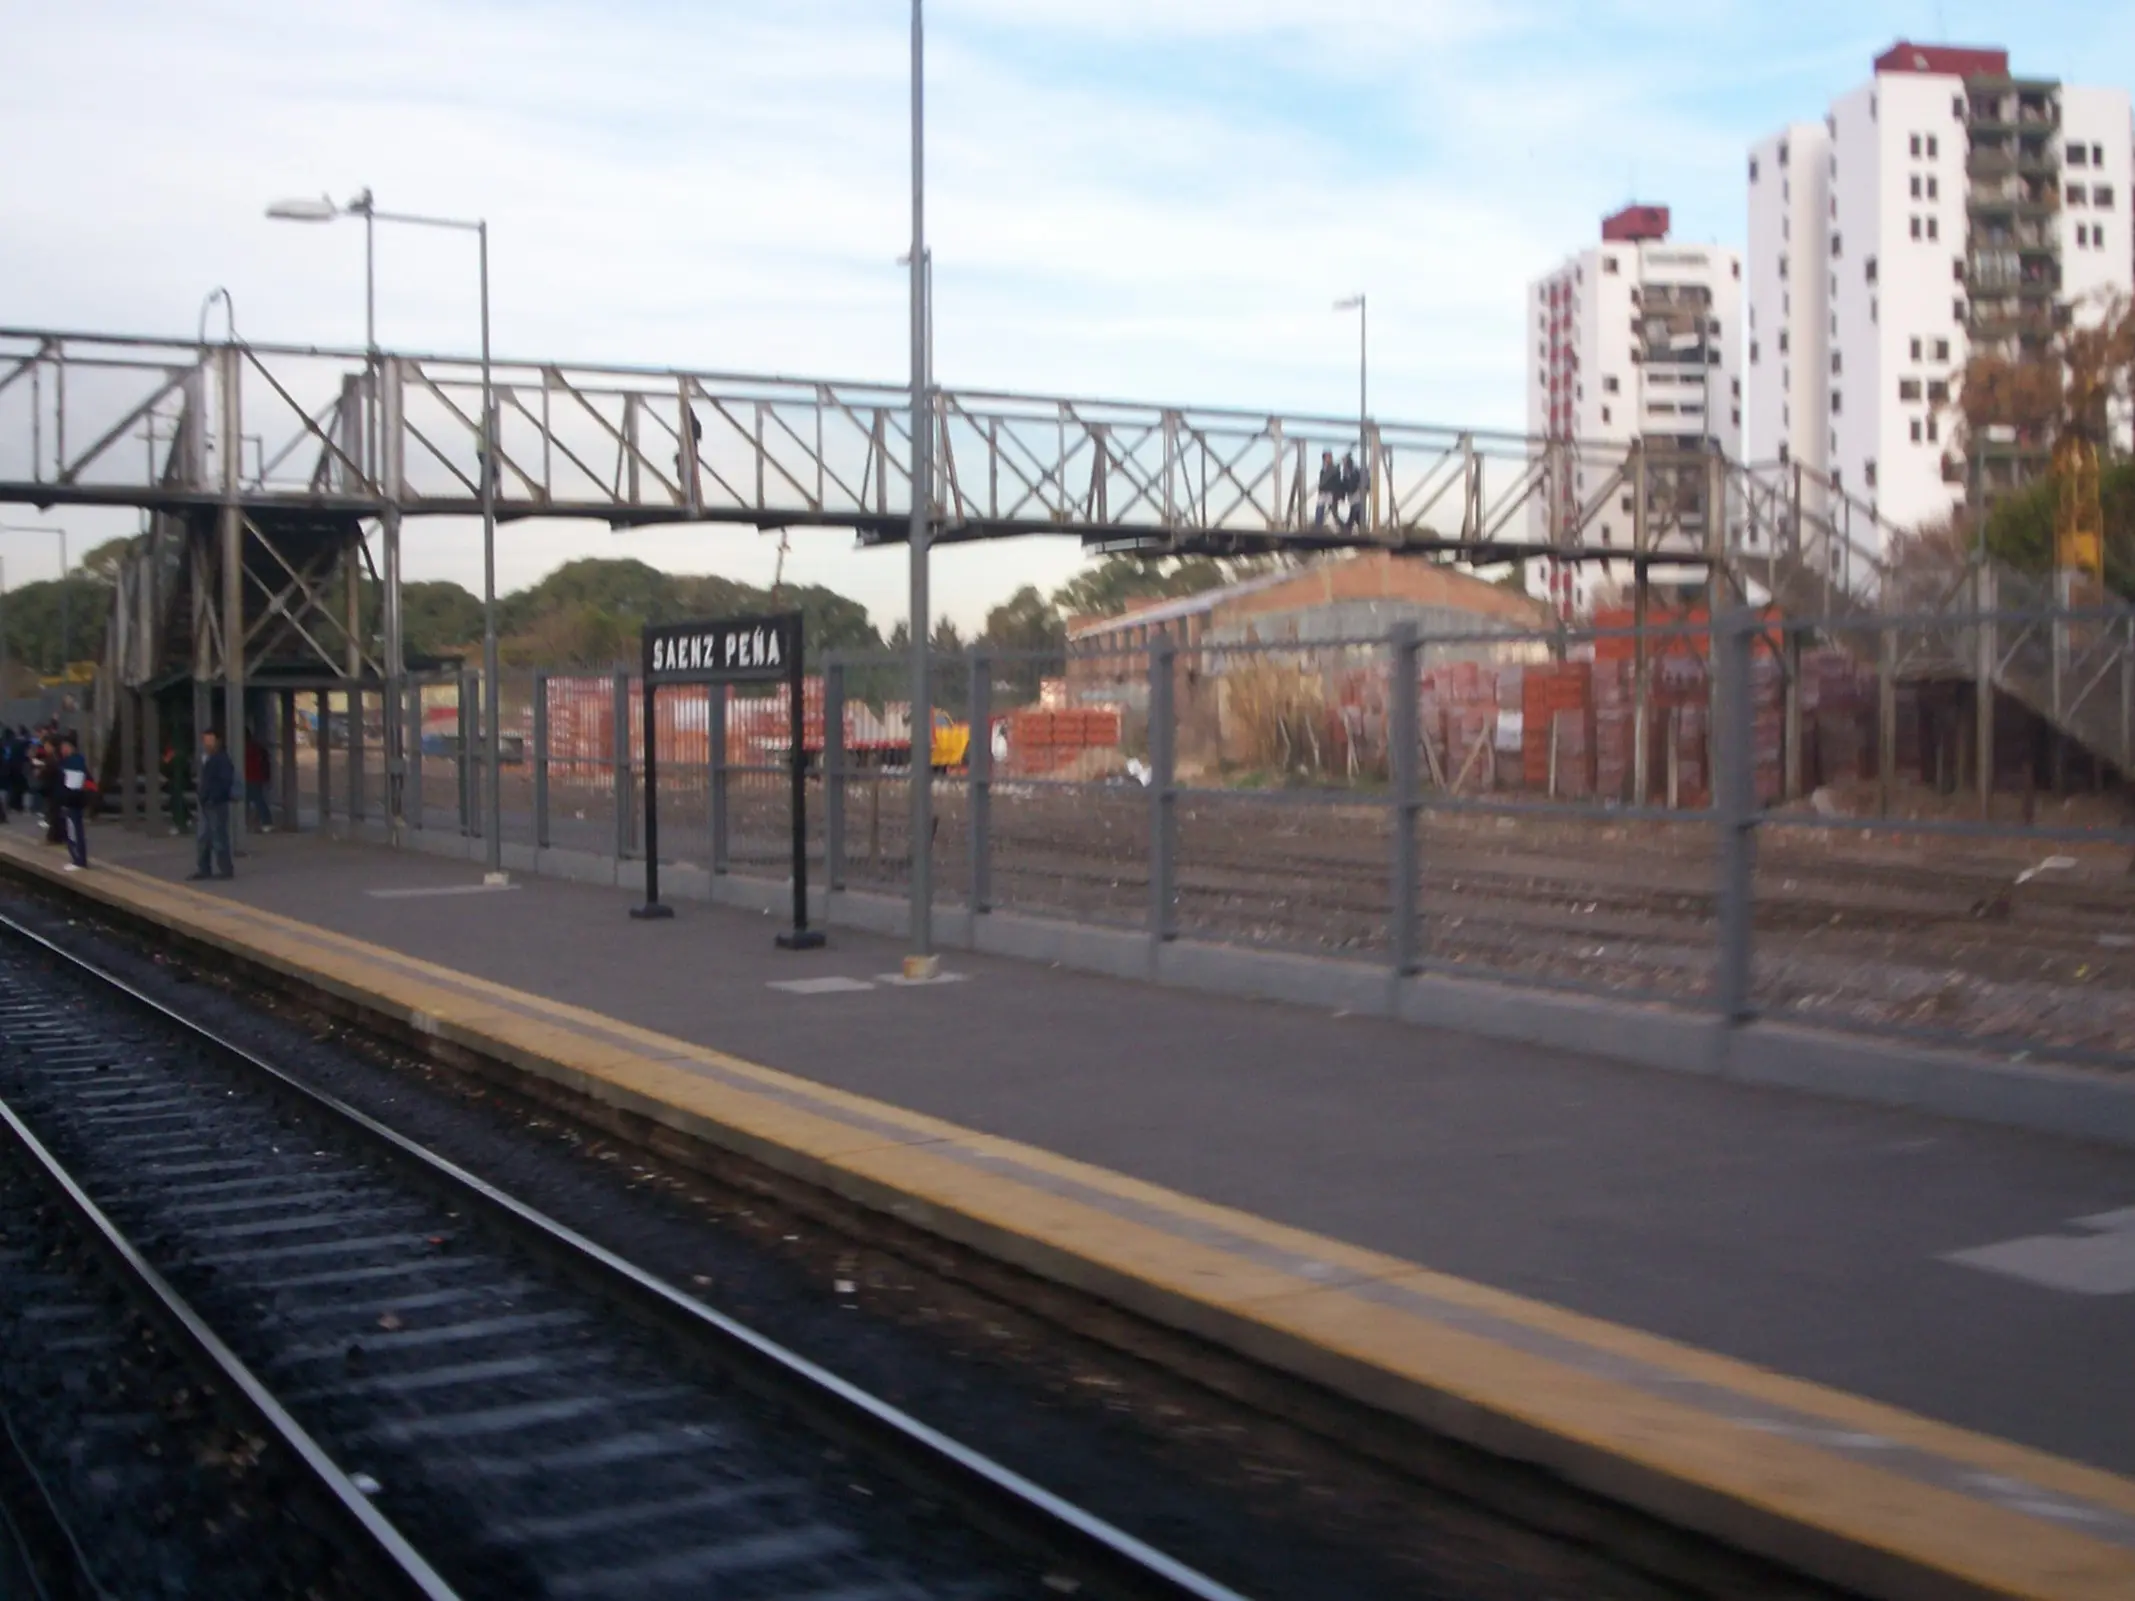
(72, 795)
(15, 767)
(52, 786)
(257, 811)
(218, 787)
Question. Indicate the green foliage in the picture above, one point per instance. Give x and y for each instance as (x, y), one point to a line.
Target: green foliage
(2020, 527)
(32, 617)
(438, 618)
(1118, 582)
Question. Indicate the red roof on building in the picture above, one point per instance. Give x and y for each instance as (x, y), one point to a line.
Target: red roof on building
(1634, 223)
(1946, 60)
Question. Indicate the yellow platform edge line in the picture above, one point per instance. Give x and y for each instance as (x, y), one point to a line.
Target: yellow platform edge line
(1988, 1548)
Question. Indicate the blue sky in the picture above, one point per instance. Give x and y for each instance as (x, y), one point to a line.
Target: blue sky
(1154, 199)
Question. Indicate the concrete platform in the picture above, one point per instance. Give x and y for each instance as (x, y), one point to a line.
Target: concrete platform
(1887, 1347)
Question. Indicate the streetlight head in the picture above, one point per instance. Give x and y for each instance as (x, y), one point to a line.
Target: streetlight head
(360, 205)
(1350, 304)
(320, 210)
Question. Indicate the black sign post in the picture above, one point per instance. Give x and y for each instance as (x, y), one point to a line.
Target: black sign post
(729, 650)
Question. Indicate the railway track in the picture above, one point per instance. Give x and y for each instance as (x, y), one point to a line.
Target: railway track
(486, 1403)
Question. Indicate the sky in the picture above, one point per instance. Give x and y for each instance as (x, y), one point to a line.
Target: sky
(1155, 200)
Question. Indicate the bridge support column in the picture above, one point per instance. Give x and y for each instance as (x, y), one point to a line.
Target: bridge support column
(322, 747)
(231, 527)
(396, 669)
(151, 758)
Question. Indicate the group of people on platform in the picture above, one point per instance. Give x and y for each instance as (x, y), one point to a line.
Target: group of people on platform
(1341, 492)
(42, 772)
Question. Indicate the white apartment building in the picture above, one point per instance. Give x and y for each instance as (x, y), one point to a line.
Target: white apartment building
(1945, 222)
(1634, 338)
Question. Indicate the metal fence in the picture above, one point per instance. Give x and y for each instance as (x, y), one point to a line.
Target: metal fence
(1761, 819)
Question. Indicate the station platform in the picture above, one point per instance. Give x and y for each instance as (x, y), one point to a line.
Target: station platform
(1886, 1347)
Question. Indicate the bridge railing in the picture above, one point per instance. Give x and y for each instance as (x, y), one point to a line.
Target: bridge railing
(166, 423)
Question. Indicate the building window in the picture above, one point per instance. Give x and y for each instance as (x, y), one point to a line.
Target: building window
(1838, 246)
(2101, 197)
(1868, 472)
(1753, 169)
(1908, 389)
(2097, 155)
(1782, 452)
(1604, 414)
(1916, 186)
(1782, 268)
(1608, 383)
(1736, 387)
(1957, 311)
(1957, 107)
(1916, 350)
(2079, 155)
(1835, 363)
(2083, 235)
(1871, 269)
(1942, 350)
(1916, 430)
(1957, 269)
(1916, 227)
(1753, 352)
(1933, 228)
(1836, 408)
(1627, 505)
(2077, 194)
(1938, 392)
(1916, 151)
(1934, 188)
(1932, 149)
(1932, 430)
(1608, 264)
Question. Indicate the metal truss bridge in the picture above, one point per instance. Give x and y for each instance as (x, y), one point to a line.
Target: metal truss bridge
(262, 467)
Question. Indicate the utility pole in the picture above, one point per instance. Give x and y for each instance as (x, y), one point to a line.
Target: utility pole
(921, 961)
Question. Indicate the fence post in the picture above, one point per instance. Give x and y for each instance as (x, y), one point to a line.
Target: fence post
(463, 760)
(619, 726)
(129, 753)
(1886, 717)
(323, 746)
(541, 761)
(291, 823)
(1984, 602)
(978, 782)
(1735, 812)
(1163, 804)
(716, 722)
(1401, 736)
(411, 784)
(834, 776)
(355, 757)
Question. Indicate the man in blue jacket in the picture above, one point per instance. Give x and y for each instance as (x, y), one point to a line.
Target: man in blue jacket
(218, 787)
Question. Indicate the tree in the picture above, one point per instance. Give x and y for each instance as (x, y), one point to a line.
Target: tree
(103, 560)
(438, 618)
(1031, 633)
(1117, 582)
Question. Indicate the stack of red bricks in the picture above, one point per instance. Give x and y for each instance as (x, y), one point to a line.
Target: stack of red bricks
(1556, 710)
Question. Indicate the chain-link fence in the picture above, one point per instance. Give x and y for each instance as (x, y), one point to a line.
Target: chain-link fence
(1818, 819)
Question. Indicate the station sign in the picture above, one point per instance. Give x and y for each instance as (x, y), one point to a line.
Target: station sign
(724, 650)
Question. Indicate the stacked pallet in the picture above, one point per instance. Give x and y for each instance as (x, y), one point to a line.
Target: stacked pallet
(1043, 741)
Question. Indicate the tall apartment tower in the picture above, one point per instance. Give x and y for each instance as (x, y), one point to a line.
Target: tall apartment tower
(1959, 211)
(1634, 338)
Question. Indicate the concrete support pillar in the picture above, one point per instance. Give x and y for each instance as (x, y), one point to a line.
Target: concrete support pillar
(323, 751)
(1886, 718)
(1793, 733)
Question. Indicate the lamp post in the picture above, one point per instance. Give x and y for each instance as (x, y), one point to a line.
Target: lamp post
(920, 533)
(66, 629)
(324, 210)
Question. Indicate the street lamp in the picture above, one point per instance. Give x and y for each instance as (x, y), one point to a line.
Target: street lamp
(66, 608)
(324, 210)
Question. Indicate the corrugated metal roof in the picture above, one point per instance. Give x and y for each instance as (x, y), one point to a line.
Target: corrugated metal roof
(1170, 611)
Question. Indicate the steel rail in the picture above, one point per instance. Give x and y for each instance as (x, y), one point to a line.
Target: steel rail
(1113, 1560)
(375, 1538)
